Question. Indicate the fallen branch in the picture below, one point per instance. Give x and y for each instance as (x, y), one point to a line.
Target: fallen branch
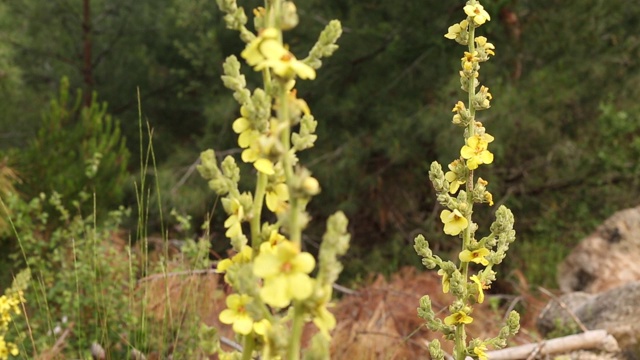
(593, 339)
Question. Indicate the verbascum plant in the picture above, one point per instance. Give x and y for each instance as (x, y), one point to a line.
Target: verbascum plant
(274, 293)
(458, 191)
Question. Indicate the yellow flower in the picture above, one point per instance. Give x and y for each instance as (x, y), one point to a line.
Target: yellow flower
(488, 197)
(285, 272)
(287, 66)
(242, 126)
(469, 60)
(266, 42)
(460, 317)
(476, 256)
(264, 329)
(265, 166)
(454, 30)
(236, 313)
(477, 13)
(452, 177)
(7, 348)
(488, 47)
(324, 320)
(460, 110)
(275, 238)
(277, 197)
(266, 51)
(454, 222)
(445, 280)
(243, 257)
(253, 155)
(236, 215)
(480, 286)
(475, 151)
(480, 352)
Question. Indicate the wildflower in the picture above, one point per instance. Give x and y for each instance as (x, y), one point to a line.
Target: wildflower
(264, 166)
(476, 256)
(275, 238)
(480, 352)
(253, 155)
(264, 329)
(482, 99)
(480, 287)
(266, 42)
(266, 51)
(459, 317)
(453, 31)
(287, 66)
(242, 127)
(477, 13)
(469, 60)
(461, 113)
(484, 47)
(285, 272)
(324, 320)
(297, 107)
(488, 197)
(453, 176)
(458, 32)
(236, 215)
(454, 222)
(243, 257)
(277, 197)
(475, 151)
(7, 348)
(236, 313)
(445, 280)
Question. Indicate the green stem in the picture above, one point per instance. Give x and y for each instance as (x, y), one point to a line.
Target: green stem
(295, 231)
(258, 201)
(296, 331)
(247, 349)
(461, 335)
(471, 88)
(460, 347)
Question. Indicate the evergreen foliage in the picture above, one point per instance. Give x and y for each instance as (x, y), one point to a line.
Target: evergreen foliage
(564, 70)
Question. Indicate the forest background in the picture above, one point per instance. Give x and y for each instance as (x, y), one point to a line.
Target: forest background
(566, 80)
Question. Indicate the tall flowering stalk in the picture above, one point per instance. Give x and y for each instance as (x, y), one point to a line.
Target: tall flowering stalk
(274, 292)
(473, 273)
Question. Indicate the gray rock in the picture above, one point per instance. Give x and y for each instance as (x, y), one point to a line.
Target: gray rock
(617, 311)
(606, 259)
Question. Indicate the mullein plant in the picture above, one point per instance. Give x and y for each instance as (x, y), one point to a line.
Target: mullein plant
(458, 191)
(274, 292)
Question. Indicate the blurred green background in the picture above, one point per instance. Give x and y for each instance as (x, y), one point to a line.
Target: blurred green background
(564, 79)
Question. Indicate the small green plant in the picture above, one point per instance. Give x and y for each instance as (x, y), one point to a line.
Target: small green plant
(77, 273)
(77, 149)
(466, 282)
(274, 293)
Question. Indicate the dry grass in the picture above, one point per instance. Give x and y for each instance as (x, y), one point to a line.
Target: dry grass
(379, 322)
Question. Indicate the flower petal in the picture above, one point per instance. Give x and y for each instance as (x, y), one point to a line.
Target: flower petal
(274, 292)
(241, 124)
(303, 262)
(228, 316)
(265, 166)
(266, 265)
(243, 325)
(299, 285)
